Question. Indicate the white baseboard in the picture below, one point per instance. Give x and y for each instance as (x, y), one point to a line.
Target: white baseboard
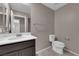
(42, 50)
(72, 52)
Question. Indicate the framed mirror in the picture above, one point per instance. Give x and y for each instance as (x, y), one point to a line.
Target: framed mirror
(14, 18)
(19, 23)
(4, 17)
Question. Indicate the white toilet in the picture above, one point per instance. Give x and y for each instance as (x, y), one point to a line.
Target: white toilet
(57, 46)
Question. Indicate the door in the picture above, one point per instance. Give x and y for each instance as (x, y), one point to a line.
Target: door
(28, 51)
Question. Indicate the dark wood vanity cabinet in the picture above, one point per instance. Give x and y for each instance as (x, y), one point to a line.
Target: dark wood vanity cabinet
(11, 54)
(25, 48)
(30, 52)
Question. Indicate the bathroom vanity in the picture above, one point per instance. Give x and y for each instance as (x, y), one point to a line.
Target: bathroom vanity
(18, 46)
(14, 21)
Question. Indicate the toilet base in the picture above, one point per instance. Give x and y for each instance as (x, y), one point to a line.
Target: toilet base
(59, 51)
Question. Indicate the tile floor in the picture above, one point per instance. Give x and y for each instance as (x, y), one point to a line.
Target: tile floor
(50, 52)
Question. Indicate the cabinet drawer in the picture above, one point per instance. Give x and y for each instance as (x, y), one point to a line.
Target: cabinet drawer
(16, 46)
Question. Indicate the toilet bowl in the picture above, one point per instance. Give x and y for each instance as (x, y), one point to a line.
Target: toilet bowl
(57, 46)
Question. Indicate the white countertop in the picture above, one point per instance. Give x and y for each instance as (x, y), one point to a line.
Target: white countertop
(10, 40)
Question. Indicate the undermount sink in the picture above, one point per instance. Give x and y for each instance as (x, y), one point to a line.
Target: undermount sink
(19, 37)
(15, 37)
(1, 39)
(5, 38)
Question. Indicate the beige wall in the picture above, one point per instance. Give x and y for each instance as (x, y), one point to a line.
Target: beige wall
(42, 24)
(67, 25)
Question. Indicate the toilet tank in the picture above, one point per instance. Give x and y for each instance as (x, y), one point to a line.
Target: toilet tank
(51, 38)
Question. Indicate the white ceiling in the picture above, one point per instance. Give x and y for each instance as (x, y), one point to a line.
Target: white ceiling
(54, 6)
(20, 7)
(25, 7)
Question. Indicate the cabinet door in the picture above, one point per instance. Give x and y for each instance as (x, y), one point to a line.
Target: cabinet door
(12, 54)
(28, 51)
